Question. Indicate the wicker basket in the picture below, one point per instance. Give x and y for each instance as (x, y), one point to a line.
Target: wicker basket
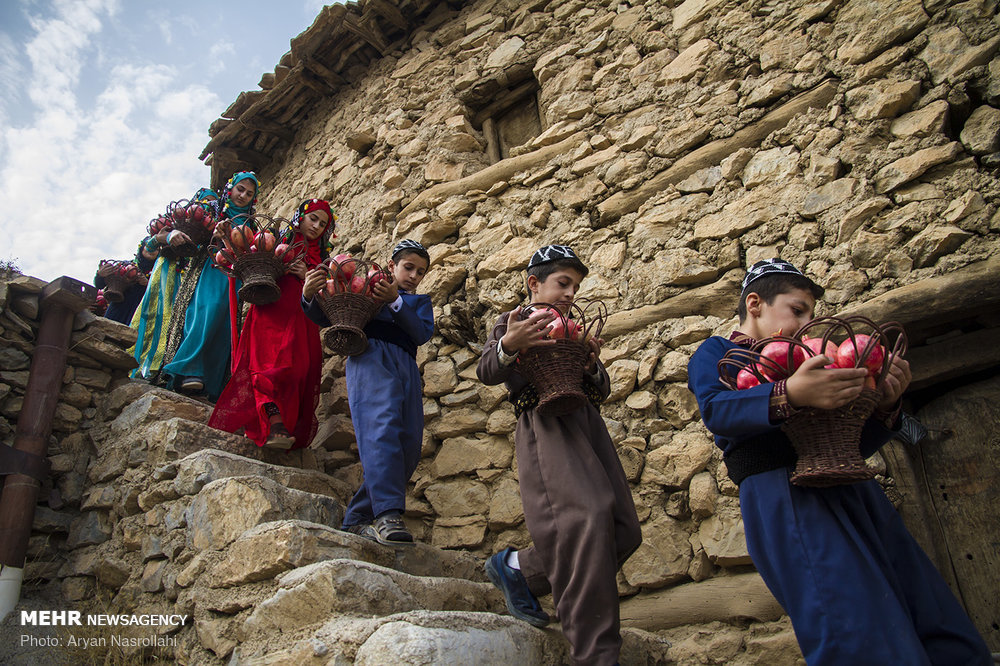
(556, 372)
(826, 441)
(196, 231)
(198, 234)
(115, 287)
(348, 313)
(259, 272)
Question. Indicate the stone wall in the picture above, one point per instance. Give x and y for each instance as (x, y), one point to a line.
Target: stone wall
(96, 363)
(682, 142)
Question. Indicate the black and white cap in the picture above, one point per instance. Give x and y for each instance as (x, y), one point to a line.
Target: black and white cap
(550, 253)
(771, 267)
(409, 245)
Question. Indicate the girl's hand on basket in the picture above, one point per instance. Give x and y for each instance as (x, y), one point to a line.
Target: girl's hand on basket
(161, 236)
(106, 270)
(298, 269)
(315, 280)
(812, 385)
(386, 291)
(530, 332)
(897, 378)
(178, 238)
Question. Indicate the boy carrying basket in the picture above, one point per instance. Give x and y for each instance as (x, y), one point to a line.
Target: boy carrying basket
(577, 503)
(857, 587)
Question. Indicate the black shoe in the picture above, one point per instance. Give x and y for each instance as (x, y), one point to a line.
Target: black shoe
(389, 530)
(521, 603)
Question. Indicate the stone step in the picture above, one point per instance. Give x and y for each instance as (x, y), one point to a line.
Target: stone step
(156, 404)
(224, 509)
(309, 595)
(442, 638)
(196, 470)
(175, 438)
(269, 549)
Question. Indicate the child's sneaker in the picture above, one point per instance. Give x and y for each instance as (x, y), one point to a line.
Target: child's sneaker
(521, 603)
(389, 530)
(361, 530)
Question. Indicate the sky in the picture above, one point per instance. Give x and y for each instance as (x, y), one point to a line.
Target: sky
(104, 110)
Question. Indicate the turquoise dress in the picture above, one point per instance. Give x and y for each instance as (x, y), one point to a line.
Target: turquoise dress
(200, 340)
(205, 346)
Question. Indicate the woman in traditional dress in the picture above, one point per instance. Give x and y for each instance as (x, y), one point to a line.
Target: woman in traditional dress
(152, 318)
(276, 375)
(199, 341)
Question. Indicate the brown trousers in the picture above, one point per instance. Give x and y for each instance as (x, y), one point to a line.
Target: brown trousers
(579, 511)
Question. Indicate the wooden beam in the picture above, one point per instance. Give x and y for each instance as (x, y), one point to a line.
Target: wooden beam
(926, 304)
(719, 298)
(506, 101)
(625, 202)
(315, 83)
(331, 77)
(721, 599)
(389, 12)
(962, 355)
(241, 154)
(350, 49)
(244, 101)
(269, 127)
(368, 31)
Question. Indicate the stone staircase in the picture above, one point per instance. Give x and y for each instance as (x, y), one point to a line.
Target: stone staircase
(240, 539)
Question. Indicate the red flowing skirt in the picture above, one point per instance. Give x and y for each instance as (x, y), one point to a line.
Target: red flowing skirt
(278, 359)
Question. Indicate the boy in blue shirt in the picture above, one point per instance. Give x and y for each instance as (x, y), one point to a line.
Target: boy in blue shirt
(857, 587)
(385, 394)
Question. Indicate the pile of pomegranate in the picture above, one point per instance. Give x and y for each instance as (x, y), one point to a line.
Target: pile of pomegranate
(346, 278)
(778, 357)
(243, 240)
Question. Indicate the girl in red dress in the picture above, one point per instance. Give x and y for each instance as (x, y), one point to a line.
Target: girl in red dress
(276, 370)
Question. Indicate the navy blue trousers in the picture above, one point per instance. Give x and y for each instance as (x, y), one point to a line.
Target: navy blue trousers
(385, 395)
(857, 587)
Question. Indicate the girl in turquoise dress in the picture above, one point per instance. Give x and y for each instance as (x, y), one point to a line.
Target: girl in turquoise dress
(200, 340)
(152, 318)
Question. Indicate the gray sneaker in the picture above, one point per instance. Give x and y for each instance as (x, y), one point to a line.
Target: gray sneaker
(361, 530)
(389, 530)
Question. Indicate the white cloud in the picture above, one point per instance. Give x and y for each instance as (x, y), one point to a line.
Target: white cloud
(218, 56)
(80, 183)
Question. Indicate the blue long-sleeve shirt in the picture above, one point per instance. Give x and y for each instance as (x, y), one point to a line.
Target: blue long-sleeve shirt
(409, 326)
(740, 420)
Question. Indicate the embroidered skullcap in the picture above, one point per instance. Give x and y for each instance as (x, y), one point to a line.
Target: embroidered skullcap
(550, 253)
(773, 267)
(408, 245)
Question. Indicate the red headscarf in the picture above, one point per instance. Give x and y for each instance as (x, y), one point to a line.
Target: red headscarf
(314, 248)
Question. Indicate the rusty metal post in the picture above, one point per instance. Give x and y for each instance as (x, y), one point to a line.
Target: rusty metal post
(26, 465)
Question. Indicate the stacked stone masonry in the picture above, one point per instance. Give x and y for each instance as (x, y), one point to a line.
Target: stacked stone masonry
(680, 142)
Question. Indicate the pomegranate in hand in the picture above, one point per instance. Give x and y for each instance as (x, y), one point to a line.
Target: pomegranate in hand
(778, 352)
(847, 354)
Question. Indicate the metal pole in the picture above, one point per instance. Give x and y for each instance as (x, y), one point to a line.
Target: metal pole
(59, 302)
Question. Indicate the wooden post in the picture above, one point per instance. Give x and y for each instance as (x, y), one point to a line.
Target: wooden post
(59, 302)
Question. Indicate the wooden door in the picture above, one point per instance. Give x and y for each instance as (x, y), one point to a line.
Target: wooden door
(950, 485)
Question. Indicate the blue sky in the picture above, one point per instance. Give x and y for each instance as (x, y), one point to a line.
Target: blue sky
(104, 109)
